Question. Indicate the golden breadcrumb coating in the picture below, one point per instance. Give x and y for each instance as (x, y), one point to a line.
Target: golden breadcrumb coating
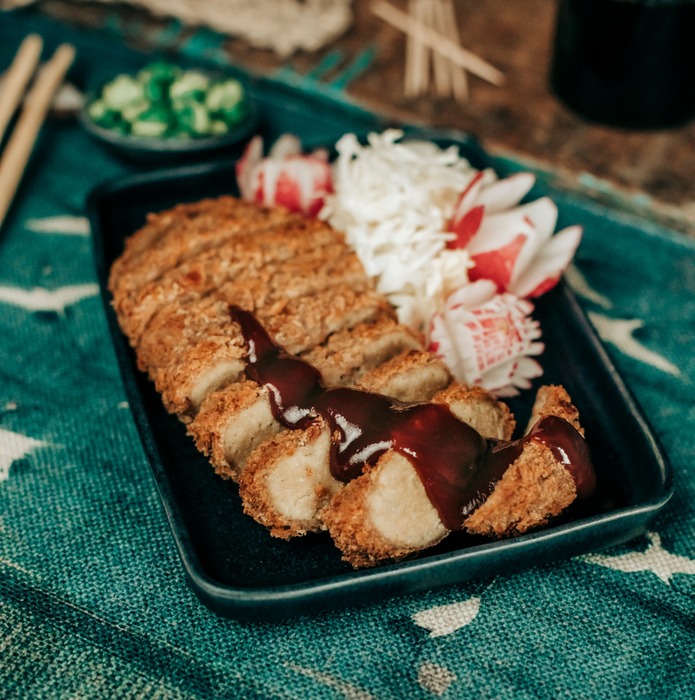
(187, 230)
(210, 364)
(477, 407)
(411, 377)
(553, 400)
(287, 483)
(349, 354)
(273, 260)
(535, 489)
(299, 324)
(231, 423)
(175, 329)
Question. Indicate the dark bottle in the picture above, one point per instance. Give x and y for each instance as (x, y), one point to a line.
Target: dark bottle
(627, 63)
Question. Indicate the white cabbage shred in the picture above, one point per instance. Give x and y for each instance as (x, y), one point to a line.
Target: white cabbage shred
(394, 199)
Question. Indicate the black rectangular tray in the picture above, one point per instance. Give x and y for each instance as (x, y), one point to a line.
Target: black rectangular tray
(239, 571)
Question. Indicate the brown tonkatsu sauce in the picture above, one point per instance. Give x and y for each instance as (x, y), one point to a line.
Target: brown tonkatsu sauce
(457, 466)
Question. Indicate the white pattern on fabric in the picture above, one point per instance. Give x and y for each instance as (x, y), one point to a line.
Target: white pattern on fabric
(13, 565)
(63, 225)
(576, 280)
(446, 619)
(655, 559)
(350, 691)
(14, 446)
(39, 299)
(619, 332)
(434, 678)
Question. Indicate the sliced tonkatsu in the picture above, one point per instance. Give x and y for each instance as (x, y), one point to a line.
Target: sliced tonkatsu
(265, 336)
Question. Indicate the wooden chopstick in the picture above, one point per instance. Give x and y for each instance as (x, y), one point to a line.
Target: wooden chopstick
(36, 105)
(455, 53)
(17, 78)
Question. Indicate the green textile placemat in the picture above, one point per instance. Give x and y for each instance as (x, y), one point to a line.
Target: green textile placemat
(93, 598)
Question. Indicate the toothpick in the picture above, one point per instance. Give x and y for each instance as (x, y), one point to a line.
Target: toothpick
(409, 87)
(442, 67)
(449, 26)
(435, 41)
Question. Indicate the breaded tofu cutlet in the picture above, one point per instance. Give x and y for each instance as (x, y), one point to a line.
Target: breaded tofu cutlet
(217, 425)
(264, 335)
(172, 237)
(278, 262)
(386, 514)
(302, 457)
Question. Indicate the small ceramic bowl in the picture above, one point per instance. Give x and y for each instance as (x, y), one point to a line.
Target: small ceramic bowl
(169, 150)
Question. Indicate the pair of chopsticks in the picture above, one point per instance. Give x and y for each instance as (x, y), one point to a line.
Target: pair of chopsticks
(37, 102)
(431, 27)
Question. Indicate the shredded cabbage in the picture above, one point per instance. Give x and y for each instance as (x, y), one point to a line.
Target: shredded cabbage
(394, 199)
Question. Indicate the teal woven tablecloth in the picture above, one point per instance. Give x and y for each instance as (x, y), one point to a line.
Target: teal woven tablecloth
(93, 601)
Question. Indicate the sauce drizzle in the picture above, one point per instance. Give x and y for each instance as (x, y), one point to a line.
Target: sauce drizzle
(457, 466)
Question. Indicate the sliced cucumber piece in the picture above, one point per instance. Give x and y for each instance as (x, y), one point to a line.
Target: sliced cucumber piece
(148, 128)
(122, 91)
(190, 84)
(192, 117)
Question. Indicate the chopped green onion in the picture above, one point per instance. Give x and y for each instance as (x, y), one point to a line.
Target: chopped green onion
(193, 117)
(133, 110)
(144, 127)
(224, 95)
(218, 127)
(190, 84)
(162, 100)
(122, 91)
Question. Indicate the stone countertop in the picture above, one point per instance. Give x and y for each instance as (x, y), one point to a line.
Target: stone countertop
(649, 173)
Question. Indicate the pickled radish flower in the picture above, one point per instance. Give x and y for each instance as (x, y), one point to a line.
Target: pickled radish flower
(488, 339)
(285, 177)
(509, 243)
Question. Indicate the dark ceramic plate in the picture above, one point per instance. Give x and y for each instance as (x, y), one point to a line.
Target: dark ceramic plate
(238, 570)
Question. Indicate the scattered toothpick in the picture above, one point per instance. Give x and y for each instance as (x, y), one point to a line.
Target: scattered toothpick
(432, 29)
